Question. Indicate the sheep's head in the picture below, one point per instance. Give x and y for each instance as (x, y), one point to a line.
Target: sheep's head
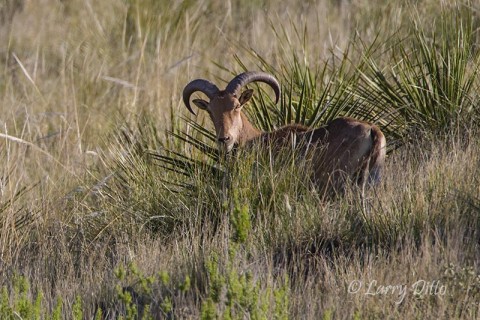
(225, 106)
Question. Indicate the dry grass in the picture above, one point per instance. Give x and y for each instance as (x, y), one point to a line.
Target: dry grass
(76, 201)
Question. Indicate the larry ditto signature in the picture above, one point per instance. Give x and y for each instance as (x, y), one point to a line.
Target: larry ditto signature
(397, 291)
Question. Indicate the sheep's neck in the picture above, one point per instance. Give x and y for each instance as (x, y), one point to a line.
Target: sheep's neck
(249, 132)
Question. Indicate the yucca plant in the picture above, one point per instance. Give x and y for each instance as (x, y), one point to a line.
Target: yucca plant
(427, 86)
(187, 166)
(311, 97)
(431, 80)
(152, 174)
(314, 94)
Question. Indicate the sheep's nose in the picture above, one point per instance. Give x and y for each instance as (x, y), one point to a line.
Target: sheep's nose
(224, 139)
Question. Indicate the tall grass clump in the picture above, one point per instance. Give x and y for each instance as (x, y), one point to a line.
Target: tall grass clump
(431, 81)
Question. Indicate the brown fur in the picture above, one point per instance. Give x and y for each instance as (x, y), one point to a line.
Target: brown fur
(344, 149)
(282, 136)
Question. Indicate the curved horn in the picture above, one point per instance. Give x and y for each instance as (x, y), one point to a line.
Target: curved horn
(201, 85)
(245, 78)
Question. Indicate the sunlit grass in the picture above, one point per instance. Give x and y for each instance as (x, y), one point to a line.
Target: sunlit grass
(114, 200)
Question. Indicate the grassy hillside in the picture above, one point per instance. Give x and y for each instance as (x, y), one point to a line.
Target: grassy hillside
(115, 204)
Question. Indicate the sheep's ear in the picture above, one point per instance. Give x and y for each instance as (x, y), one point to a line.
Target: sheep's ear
(245, 96)
(201, 104)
